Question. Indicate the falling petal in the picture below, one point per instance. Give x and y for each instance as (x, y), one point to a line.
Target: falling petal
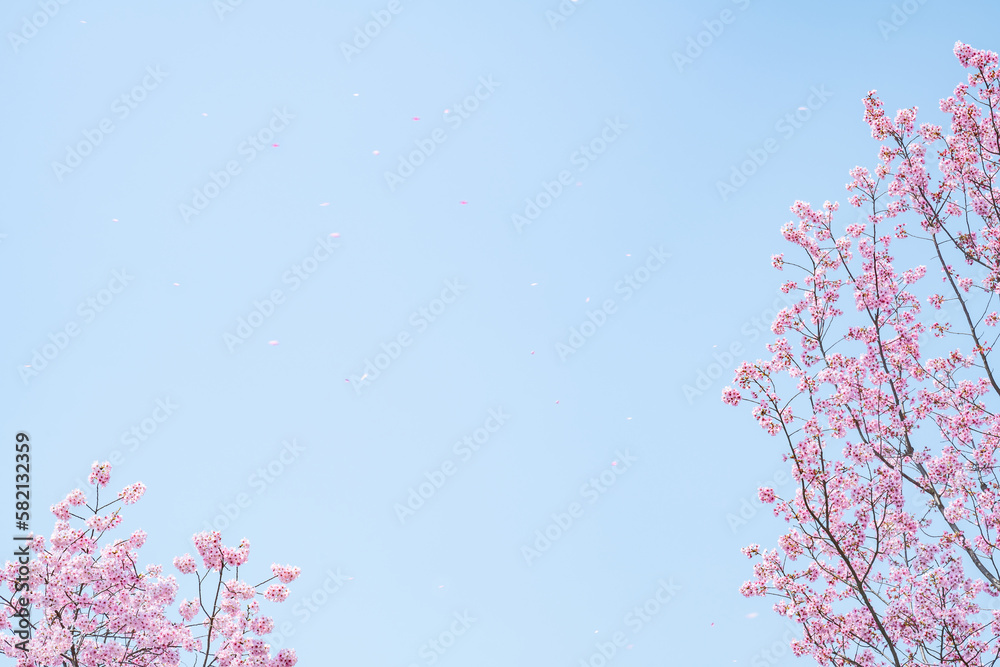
(326, 203)
(346, 380)
(355, 94)
(578, 183)
(532, 351)
(204, 114)
(533, 284)
(114, 219)
(374, 152)
(628, 418)
(416, 118)
(752, 614)
(557, 402)
(588, 300)
(447, 110)
(463, 202)
(275, 145)
(177, 284)
(272, 342)
(335, 235)
(614, 463)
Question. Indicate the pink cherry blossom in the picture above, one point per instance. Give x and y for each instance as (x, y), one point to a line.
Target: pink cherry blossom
(285, 573)
(94, 607)
(131, 494)
(100, 473)
(889, 557)
(276, 593)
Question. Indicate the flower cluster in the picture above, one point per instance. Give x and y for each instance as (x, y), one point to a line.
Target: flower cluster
(893, 442)
(131, 494)
(97, 609)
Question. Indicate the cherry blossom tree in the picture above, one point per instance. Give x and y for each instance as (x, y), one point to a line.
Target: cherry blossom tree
(97, 609)
(887, 405)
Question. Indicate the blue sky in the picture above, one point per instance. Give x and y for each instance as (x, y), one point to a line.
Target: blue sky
(635, 260)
